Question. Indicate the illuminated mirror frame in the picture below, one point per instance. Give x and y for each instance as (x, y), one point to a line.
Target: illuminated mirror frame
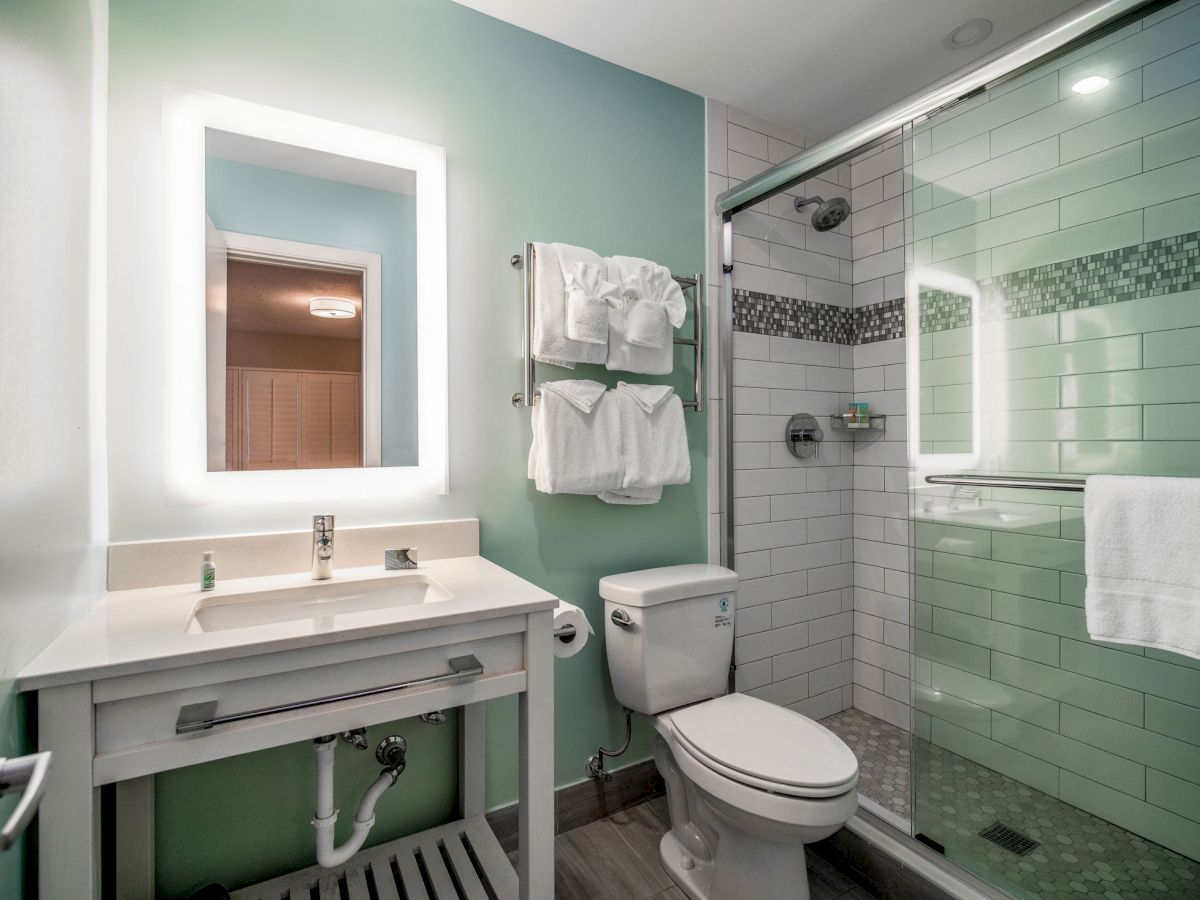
(186, 115)
(926, 463)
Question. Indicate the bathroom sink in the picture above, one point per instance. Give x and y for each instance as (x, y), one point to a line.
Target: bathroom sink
(326, 603)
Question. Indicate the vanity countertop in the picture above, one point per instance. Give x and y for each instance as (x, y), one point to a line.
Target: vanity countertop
(152, 629)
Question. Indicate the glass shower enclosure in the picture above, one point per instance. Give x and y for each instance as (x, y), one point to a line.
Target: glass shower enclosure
(1053, 301)
(1016, 295)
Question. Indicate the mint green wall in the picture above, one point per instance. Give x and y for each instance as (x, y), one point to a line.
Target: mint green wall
(543, 143)
(1089, 369)
(271, 203)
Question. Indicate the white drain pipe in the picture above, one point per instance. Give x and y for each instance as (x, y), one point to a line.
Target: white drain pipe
(329, 856)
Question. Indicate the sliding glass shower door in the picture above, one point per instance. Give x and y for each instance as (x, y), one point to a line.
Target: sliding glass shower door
(1053, 315)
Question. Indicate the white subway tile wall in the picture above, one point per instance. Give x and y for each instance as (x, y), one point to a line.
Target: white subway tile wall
(882, 660)
(793, 518)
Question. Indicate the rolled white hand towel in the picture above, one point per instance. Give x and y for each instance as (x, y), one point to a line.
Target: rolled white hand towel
(589, 296)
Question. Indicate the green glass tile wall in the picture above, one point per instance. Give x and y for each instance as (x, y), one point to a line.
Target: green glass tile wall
(1077, 216)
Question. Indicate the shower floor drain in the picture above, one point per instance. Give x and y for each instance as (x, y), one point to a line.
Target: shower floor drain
(1009, 838)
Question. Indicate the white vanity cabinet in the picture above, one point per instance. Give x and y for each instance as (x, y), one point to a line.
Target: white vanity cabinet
(129, 691)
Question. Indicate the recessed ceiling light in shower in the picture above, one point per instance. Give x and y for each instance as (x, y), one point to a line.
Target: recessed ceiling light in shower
(968, 34)
(1090, 85)
(331, 308)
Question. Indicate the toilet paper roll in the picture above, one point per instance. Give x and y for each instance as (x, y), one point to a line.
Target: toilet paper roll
(569, 614)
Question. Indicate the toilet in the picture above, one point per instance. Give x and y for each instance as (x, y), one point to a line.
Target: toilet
(749, 783)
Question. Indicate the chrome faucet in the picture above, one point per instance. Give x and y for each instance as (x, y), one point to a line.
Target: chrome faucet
(970, 493)
(322, 552)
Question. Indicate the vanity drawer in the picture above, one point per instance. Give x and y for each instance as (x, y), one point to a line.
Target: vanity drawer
(148, 725)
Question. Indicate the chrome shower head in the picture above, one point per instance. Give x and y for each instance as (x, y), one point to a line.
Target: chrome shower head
(830, 213)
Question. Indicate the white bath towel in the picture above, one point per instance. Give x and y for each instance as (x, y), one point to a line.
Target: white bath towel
(632, 496)
(1143, 568)
(638, 339)
(588, 294)
(550, 343)
(576, 439)
(654, 440)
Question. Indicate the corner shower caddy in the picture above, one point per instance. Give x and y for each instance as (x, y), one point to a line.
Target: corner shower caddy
(528, 394)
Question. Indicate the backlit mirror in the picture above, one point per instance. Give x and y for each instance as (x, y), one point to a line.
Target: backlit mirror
(944, 388)
(308, 286)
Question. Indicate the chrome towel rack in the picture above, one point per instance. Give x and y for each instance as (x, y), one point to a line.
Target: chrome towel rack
(1009, 481)
(529, 394)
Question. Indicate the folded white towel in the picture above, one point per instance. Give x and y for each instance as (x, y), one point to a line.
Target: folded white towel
(654, 440)
(550, 341)
(576, 439)
(589, 294)
(638, 337)
(1143, 570)
(632, 496)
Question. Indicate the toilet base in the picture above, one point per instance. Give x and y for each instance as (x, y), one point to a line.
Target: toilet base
(694, 881)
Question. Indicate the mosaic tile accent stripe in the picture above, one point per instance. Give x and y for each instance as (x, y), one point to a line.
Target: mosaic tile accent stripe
(1165, 266)
(761, 313)
(879, 321)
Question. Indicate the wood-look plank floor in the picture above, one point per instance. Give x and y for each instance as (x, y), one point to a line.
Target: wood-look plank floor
(617, 859)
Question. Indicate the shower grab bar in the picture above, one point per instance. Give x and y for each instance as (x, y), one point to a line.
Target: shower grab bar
(1009, 481)
(203, 716)
(528, 394)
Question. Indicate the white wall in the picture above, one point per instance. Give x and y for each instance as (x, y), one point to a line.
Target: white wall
(52, 61)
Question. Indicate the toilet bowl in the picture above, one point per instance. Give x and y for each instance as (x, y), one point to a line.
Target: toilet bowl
(749, 783)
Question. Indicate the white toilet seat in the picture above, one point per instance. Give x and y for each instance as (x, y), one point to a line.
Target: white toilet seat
(766, 747)
(768, 798)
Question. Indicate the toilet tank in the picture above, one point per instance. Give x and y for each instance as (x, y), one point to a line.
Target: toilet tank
(671, 641)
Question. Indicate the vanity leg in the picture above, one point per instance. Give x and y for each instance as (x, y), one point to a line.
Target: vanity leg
(135, 838)
(472, 760)
(69, 816)
(536, 810)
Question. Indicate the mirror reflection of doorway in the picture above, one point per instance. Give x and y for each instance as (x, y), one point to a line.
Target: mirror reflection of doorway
(293, 366)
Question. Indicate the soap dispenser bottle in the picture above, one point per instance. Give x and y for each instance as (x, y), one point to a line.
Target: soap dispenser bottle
(208, 572)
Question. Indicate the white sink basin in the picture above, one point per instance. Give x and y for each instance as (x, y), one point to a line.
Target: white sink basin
(328, 604)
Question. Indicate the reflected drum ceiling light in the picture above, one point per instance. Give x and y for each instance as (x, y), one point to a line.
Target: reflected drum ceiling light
(1090, 85)
(332, 308)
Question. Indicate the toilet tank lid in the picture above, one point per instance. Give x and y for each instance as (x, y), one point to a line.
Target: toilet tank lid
(650, 586)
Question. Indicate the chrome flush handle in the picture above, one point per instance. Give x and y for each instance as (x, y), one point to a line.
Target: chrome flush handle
(621, 618)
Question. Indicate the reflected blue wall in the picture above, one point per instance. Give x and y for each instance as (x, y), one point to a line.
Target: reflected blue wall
(256, 200)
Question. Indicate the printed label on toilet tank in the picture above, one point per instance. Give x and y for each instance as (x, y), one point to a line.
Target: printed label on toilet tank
(723, 618)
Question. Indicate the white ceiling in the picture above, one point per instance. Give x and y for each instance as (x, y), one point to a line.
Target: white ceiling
(263, 297)
(815, 66)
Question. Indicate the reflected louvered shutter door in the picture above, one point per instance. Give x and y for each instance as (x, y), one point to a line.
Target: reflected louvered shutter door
(270, 419)
(233, 456)
(331, 428)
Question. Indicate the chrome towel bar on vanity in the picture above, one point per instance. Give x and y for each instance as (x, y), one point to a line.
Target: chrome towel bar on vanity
(1009, 481)
(528, 394)
(203, 716)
